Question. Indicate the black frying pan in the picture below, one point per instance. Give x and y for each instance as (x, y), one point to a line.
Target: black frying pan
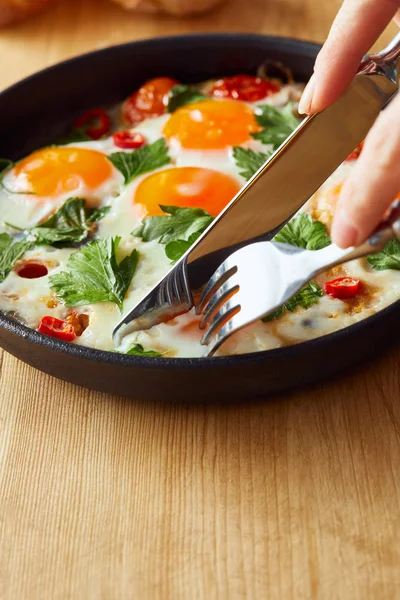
(39, 109)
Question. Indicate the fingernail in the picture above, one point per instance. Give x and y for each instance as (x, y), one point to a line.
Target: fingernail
(305, 103)
(344, 233)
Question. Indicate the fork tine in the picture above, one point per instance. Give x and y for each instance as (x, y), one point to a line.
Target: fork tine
(223, 334)
(223, 293)
(221, 319)
(220, 276)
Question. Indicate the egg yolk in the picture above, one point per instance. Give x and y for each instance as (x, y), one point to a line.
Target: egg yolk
(211, 124)
(189, 187)
(54, 171)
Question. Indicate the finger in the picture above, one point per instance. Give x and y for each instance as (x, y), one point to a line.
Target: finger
(373, 183)
(355, 29)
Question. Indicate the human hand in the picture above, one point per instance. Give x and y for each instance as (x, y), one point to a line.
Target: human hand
(375, 179)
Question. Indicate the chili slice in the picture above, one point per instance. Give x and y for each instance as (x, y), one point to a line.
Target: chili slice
(57, 328)
(356, 153)
(343, 287)
(244, 87)
(129, 140)
(95, 123)
(32, 270)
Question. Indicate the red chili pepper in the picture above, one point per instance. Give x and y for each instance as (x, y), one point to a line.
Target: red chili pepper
(57, 328)
(149, 101)
(31, 270)
(244, 87)
(95, 123)
(343, 287)
(356, 153)
(129, 139)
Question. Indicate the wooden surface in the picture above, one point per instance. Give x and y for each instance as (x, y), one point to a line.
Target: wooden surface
(103, 498)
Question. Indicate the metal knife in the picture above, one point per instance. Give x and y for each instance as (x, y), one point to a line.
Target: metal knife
(277, 191)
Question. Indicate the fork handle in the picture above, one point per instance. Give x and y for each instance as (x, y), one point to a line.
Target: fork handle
(388, 230)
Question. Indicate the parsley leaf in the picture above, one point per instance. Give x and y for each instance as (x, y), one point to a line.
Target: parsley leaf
(178, 224)
(176, 249)
(10, 252)
(138, 350)
(73, 222)
(388, 258)
(249, 161)
(302, 231)
(73, 137)
(183, 94)
(140, 161)
(277, 123)
(305, 298)
(95, 275)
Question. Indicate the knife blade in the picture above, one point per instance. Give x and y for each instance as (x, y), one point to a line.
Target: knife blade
(292, 174)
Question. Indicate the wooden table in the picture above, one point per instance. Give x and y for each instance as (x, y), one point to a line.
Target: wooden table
(103, 498)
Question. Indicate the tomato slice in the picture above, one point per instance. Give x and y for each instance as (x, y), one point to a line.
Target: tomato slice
(149, 101)
(343, 287)
(129, 140)
(95, 123)
(57, 328)
(244, 87)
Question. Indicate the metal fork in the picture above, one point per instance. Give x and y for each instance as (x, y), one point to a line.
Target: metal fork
(256, 280)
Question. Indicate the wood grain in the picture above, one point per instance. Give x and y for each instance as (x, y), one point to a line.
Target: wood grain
(104, 498)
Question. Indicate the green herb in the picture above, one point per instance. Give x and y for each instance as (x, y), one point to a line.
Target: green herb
(138, 350)
(388, 258)
(305, 298)
(175, 250)
(140, 161)
(277, 124)
(73, 222)
(73, 137)
(183, 94)
(178, 224)
(178, 229)
(95, 275)
(302, 231)
(10, 252)
(249, 161)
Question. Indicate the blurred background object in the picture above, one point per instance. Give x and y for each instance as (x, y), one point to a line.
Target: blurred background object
(15, 10)
(172, 7)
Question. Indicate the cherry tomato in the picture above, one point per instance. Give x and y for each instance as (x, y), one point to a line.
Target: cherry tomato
(244, 87)
(149, 101)
(356, 153)
(32, 270)
(57, 328)
(95, 123)
(343, 287)
(129, 139)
